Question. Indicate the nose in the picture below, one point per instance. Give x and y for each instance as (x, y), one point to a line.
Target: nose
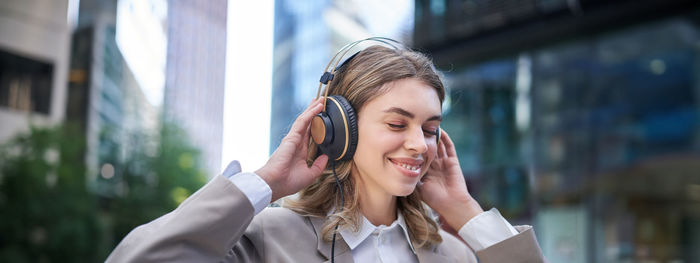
(415, 141)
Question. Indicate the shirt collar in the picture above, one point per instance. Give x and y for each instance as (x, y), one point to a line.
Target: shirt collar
(353, 239)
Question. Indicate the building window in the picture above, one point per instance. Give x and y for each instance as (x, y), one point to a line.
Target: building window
(25, 83)
(605, 161)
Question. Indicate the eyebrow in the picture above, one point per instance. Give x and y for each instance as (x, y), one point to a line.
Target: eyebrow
(409, 114)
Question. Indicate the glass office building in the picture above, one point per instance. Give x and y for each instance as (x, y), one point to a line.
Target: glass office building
(195, 73)
(582, 120)
(308, 33)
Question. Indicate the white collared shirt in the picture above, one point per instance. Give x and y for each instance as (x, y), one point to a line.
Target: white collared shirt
(387, 244)
(482, 231)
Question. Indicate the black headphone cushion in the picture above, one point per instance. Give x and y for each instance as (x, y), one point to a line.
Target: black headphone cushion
(352, 125)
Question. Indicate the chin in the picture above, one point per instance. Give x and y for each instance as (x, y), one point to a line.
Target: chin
(405, 190)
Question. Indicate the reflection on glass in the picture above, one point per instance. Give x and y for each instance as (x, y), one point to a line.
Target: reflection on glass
(605, 161)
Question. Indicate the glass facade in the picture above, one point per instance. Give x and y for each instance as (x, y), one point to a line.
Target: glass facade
(104, 97)
(195, 74)
(595, 141)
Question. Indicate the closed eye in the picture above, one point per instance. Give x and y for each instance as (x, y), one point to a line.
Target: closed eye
(396, 126)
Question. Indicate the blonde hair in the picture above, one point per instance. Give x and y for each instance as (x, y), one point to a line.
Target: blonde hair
(360, 80)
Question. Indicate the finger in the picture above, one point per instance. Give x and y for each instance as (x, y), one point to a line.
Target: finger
(302, 122)
(442, 152)
(306, 136)
(303, 145)
(316, 101)
(318, 166)
(449, 146)
(301, 151)
(312, 107)
(424, 178)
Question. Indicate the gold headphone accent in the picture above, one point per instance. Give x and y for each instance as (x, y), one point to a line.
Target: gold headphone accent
(318, 128)
(345, 123)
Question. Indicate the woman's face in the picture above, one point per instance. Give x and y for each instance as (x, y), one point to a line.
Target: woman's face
(396, 138)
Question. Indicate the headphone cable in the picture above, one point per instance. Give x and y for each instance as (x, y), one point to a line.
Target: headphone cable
(342, 201)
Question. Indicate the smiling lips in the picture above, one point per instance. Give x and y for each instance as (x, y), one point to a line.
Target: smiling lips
(409, 166)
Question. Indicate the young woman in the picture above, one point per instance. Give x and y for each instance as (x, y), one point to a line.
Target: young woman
(398, 167)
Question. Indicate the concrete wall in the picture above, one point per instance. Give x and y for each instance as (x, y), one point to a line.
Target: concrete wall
(36, 29)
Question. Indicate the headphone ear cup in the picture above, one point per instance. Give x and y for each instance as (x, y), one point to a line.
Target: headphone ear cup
(321, 129)
(351, 124)
(437, 136)
(339, 136)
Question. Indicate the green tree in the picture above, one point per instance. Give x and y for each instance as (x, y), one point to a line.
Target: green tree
(47, 213)
(153, 185)
(51, 212)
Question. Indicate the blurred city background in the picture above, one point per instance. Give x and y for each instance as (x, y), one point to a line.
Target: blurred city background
(580, 117)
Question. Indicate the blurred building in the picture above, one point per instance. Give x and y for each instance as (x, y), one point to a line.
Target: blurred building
(34, 46)
(581, 117)
(308, 33)
(106, 98)
(195, 74)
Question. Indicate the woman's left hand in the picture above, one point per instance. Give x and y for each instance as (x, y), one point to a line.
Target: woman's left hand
(444, 188)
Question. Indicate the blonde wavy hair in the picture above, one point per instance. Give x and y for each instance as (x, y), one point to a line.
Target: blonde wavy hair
(360, 80)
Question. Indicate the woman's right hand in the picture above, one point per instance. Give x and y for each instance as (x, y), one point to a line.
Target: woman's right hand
(286, 171)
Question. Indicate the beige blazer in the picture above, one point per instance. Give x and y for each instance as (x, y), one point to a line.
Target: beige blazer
(217, 224)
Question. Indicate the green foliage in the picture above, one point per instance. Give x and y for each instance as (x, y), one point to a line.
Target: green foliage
(51, 211)
(47, 212)
(155, 185)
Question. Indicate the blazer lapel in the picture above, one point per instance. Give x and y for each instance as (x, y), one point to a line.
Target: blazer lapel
(342, 250)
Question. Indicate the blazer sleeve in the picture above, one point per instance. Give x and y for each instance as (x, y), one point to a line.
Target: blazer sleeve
(204, 228)
(522, 247)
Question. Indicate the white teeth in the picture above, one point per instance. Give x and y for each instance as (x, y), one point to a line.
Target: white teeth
(412, 168)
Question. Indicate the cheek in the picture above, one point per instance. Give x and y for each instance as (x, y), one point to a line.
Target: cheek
(377, 140)
(431, 154)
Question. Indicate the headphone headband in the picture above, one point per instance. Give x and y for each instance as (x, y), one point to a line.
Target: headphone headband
(327, 76)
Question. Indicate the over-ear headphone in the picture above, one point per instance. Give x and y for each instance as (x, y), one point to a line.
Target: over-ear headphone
(334, 130)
